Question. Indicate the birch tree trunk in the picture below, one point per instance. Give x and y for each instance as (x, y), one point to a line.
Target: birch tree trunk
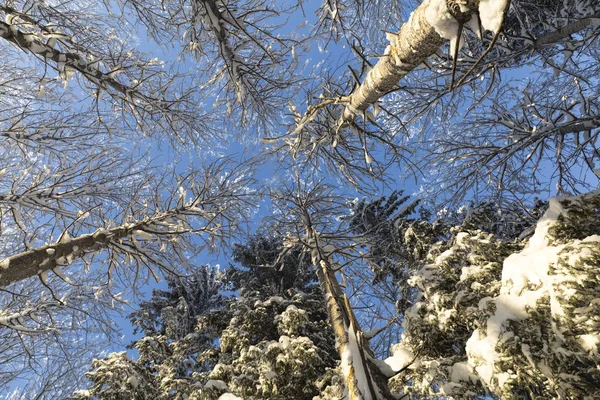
(51, 256)
(417, 40)
(362, 378)
(40, 260)
(166, 225)
(31, 43)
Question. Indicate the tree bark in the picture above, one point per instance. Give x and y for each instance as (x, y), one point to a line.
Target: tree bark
(66, 250)
(362, 378)
(565, 31)
(31, 43)
(45, 258)
(415, 42)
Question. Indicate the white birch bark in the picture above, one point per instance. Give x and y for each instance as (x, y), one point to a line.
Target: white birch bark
(362, 378)
(40, 260)
(29, 42)
(50, 257)
(417, 40)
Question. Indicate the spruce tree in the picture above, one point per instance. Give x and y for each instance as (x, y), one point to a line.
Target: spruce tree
(270, 341)
(507, 318)
(170, 350)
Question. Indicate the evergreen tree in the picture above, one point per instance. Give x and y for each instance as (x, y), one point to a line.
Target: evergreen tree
(492, 314)
(262, 266)
(506, 318)
(272, 341)
(173, 311)
(394, 239)
(169, 349)
(279, 347)
(508, 221)
(278, 343)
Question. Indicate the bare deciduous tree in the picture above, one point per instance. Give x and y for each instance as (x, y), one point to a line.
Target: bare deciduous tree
(76, 40)
(308, 215)
(95, 261)
(242, 55)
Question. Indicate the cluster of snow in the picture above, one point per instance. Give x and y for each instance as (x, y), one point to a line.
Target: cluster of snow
(133, 381)
(292, 320)
(440, 18)
(490, 13)
(229, 396)
(271, 301)
(216, 384)
(401, 357)
(144, 235)
(529, 277)
(351, 362)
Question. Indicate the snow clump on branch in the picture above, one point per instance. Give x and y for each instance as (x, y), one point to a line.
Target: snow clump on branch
(441, 18)
(518, 319)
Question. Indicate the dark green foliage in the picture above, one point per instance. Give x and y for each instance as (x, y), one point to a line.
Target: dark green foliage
(173, 311)
(459, 274)
(507, 318)
(272, 341)
(281, 346)
(275, 341)
(508, 221)
(398, 236)
(382, 226)
(257, 270)
(538, 14)
(583, 219)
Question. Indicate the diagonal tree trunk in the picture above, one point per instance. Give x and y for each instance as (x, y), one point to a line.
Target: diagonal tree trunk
(417, 40)
(428, 28)
(66, 250)
(566, 31)
(31, 43)
(51, 256)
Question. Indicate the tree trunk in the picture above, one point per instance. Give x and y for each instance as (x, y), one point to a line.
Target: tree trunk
(362, 378)
(66, 250)
(417, 40)
(566, 31)
(45, 258)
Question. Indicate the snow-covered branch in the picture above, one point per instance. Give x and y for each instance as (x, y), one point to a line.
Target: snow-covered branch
(214, 211)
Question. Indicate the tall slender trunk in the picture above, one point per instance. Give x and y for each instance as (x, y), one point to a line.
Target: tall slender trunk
(363, 379)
